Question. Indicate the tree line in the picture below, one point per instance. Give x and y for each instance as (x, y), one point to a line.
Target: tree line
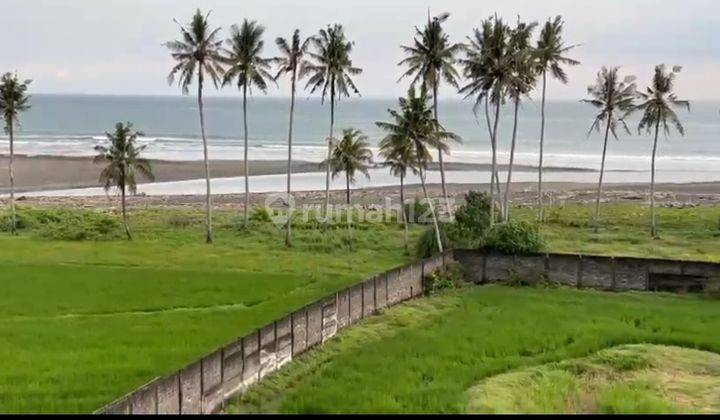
(498, 65)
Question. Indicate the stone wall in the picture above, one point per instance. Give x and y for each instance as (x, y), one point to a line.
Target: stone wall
(207, 384)
(603, 273)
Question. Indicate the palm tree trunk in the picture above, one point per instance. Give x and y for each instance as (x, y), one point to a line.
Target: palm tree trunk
(440, 153)
(329, 154)
(602, 172)
(288, 235)
(541, 210)
(402, 210)
(506, 205)
(496, 178)
(11, 172)
(349, 209)
(432, 211)
(124, 209)
(347, 188)
(494, 160)
(653, 226)
(208, 195)
(245, 159)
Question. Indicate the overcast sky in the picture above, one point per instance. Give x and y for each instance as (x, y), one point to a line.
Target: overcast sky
(115, 46)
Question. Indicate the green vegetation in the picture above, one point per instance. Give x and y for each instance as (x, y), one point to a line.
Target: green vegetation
(435, 355)
(633, 379)
(83, 322)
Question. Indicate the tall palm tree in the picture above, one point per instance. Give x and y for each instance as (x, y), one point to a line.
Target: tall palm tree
(350, 155)
(551, 55)
(415, 122)
(521, 83)
(430, 60)
(397, 151)
(198, 52)
(657, 104)
(13, 100)
(293, 59)
(248, 69)
(488, 67)
(330, 72)
(122, 156)
(615, 99)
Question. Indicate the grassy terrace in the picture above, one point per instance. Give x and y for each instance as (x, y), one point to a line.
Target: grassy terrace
(511, 350)
(83, 321)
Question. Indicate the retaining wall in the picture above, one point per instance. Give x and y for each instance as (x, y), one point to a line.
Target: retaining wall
(603, 273)
(205, 385)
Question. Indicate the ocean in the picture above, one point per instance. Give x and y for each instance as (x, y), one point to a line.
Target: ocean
(71, 125)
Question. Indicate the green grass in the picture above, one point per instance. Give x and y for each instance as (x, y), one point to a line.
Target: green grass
(83, 322)
(430, 355)
(689, 234)
(88, 318)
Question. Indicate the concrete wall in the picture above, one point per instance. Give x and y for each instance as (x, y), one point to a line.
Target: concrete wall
(207, 384)
(603, 273)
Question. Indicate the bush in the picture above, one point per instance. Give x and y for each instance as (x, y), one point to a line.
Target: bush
(418, 212)
(514, 238)
(446, 279)
(61, 224)
(472, 220)
(261, 215)
(427, 245)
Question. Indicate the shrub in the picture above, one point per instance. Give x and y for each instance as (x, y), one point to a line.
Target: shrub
(418, 212)
(183, 221)
(427, 245)
(446, 279)
(514, 238)
(472, 220)
(72, 225)
(260, 215)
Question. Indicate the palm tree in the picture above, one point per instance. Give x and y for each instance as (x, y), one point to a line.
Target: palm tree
(330, 72)
(397, 151)
(250, 69)
(122, 156)
(415, 122)
(292, 62)
(198, 52)
(13, 100)
(488, 66)
(521, 83)
(614, 98)
(550, 53)
(657, 104)
(431, 60)
(350, 155)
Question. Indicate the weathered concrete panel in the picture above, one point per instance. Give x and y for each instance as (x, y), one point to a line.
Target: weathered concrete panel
(343, 309)
(268, 355)
(432, 264)
(284, 341)
(356, 304)
(299, 321)
(191, 389)
(168, 395)
(664, 267)
(393, 287)
(329, 318)
(564, 269)
(251, 358)
(631, 274)
(143, 401)
(597, 272)
(700, 269)
(368, 289)
(381, 291)
(118, 407)
(416, 281)
(498, 267)
(314, 324)
(471, 265)
(212, 371)
(530, 268)
(232, 360)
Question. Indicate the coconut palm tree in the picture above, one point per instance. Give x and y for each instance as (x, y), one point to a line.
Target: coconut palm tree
(520, 84)
(351, 155)
(247, 68)
(330, 72)
(13, 100)
(397, 151)
(615, 99)
(198, 53)
(122, 156)
(657, 104)
(415, 122)
(551, 57)
(291, 62)
(430, 60)
(488, 66)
